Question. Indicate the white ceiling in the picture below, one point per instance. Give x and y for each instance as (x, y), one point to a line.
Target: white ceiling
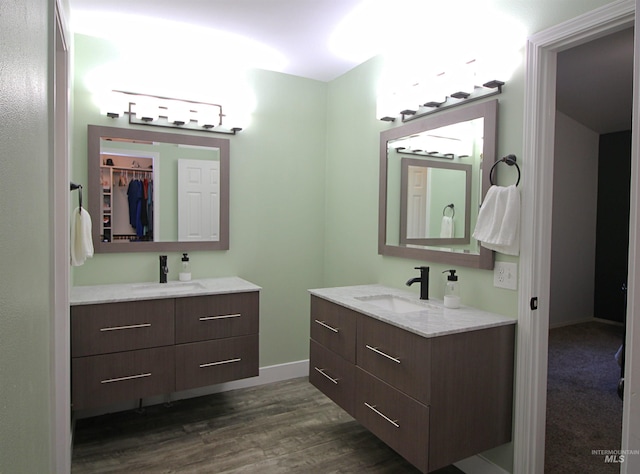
(299, 29)
(594, 80)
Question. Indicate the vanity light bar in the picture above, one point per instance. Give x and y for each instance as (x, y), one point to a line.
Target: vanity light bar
(145, 109)
(488, 89)
(430, 154)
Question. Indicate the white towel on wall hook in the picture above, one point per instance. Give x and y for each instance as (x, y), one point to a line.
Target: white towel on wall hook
(81, 242)
(498, 224)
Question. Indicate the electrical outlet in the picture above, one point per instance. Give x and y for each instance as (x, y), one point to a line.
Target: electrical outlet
(505, 275)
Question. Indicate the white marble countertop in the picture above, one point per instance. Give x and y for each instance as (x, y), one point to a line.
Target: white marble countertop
(114, 293)
(426, 318)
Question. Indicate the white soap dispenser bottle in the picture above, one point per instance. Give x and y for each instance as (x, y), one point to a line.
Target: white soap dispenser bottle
(451, 290)
(185, 273)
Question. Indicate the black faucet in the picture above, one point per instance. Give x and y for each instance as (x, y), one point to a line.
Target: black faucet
(424, 282)
(164, 269)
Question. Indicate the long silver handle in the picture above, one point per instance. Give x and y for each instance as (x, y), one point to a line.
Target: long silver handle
(323, 324)
(129, 377)
(377, 351)
(335, 381)
(131, 326)
(228, 361)
(224, 316)
(373, 407)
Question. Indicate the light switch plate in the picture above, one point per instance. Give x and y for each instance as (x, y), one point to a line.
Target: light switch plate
(505, 275)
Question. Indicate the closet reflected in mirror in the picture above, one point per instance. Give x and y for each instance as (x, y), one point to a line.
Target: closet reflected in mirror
(158, 191)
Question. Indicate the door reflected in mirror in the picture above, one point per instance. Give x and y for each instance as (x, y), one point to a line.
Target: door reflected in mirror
(158, 191)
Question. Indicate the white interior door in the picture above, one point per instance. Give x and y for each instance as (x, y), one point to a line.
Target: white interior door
(198, 200)
(417, 203)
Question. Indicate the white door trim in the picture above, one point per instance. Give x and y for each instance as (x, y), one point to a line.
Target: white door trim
(59, 223)
(535, 255)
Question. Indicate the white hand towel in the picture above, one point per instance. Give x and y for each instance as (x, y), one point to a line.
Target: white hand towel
(498, 225)
(81, 243)
(446, 228)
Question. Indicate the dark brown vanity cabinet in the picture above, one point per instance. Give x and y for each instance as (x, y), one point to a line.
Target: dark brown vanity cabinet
(434, 400)
(130, 350)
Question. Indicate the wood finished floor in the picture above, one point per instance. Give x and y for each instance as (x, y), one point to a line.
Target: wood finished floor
(284, 427)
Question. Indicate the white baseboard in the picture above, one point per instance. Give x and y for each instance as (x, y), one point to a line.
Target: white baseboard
(269, 374)
(479, 465)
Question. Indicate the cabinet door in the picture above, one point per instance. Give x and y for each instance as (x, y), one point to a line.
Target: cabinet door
(332, 375)
(210, 362)
(106, 379)
(202, 318)
(399, 357)
(334, 327)
(398, 420)
(115, 327)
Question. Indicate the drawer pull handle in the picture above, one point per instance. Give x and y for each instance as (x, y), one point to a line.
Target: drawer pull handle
(323, 324)
(129, 377)
(224, 316)
(335, 381)
(373, 407)
(131, 326)
(377, 351)
(211, 364)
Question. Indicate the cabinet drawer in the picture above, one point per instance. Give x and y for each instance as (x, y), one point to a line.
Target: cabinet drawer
(398, 357)
(332, 375)
(217, 316)
(398, 420)
(334, 327)
(210, 362)
(114, 327)
(105, 379)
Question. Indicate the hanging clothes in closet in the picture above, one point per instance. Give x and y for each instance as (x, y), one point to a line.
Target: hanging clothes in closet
(135, 195)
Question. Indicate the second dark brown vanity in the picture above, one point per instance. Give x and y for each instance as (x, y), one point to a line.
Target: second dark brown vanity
(434, 400)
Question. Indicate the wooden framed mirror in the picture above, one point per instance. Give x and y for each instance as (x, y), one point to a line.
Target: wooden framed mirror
(157, 191)
(460, 142)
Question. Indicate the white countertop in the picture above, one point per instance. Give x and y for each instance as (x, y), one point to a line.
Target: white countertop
(81, 295)
(434, 320)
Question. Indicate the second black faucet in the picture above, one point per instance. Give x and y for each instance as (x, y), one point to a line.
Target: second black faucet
(424, 282)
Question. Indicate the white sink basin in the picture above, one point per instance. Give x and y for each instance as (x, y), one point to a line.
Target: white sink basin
(397, 304)
(174, 287)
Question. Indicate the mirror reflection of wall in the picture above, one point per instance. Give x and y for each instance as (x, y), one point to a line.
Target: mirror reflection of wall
(427, 172)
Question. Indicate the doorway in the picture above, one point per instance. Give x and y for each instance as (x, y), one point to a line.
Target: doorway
(535, 260)
(589, 253)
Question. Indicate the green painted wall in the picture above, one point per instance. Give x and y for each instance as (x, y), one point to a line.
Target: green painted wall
(276, 203)
(26, 444)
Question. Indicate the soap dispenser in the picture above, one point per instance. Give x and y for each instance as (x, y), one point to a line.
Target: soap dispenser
(185, 273)
(451, 290)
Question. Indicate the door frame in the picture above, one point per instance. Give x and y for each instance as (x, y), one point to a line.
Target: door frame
(535, 255)
(59, 202)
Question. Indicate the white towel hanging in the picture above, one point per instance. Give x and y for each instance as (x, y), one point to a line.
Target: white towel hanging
(81, 242)
(498, 224)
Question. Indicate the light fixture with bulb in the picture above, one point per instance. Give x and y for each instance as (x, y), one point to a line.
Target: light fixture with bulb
(158, 111)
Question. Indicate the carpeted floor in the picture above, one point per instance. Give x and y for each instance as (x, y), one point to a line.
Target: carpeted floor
(584, 412)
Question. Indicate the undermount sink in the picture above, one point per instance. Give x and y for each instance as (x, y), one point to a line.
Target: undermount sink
(396, 304)
(171, 287)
